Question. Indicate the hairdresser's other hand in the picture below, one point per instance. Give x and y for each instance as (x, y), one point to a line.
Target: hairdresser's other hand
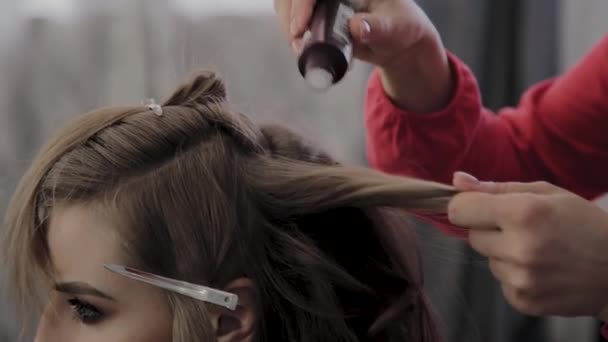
(395, 35)
(546, 246)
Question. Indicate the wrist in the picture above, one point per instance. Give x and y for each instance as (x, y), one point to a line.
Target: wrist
(420, 79)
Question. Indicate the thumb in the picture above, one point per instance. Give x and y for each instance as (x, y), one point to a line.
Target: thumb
(385, 33)
(370, 29)
(465, 182)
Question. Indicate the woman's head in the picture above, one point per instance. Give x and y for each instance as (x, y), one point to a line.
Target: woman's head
(203, 195)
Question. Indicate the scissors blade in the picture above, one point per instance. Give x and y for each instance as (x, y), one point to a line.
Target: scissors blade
(199, 292)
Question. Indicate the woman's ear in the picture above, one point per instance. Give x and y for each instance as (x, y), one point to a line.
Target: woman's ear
(237, 325)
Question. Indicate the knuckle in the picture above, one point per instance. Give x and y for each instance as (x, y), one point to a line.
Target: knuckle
(496, 270)
(529, 252)
(459, 209)
(475, 242)
(524, 283)
(382, 25)
(493, 267)
(531, 210)
(454, 209)
(503, 187)
(530, 308)
(521, 301)
(544, 184)
(547, 187)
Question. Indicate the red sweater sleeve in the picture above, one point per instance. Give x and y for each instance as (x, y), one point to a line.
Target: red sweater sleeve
(557, 133)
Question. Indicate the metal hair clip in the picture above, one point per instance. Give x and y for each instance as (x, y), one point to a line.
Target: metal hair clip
(199, 292)
(154, 107)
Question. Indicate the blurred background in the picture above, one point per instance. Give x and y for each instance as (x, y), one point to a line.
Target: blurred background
(61, 58)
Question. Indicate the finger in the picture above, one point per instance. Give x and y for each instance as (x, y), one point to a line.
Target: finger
(474, 210)
(518, 187)
(369, 29)
(297, 45)
(466, 182)
(385, 33)
(489, 243)
(533, 283)
(283, 10)
(362, 52)
(301, 13)
(538, 291)
(521, 301)
(463, 181)
(512, 275)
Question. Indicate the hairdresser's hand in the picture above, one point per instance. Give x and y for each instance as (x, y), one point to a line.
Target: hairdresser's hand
(395, 35)
(546, 246)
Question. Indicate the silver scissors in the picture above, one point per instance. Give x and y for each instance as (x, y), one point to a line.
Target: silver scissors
(199, 292)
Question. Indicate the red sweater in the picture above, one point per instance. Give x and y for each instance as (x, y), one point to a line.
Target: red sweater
(557, 133)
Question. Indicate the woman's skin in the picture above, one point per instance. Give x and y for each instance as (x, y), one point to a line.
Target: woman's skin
(546, 246)
(88, 302)
(397, 37)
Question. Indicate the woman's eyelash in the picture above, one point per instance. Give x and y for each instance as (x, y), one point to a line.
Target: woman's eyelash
(85, 312)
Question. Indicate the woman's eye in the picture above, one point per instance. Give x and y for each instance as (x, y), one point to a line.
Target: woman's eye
(85, 312)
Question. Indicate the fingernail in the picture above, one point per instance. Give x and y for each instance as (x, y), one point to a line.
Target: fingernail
(296, 46)
(467, 178)
(366, 30)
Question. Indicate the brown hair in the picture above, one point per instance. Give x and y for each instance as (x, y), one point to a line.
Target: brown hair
(212, 197)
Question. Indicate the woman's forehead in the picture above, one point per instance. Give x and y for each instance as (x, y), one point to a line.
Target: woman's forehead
(80, 242)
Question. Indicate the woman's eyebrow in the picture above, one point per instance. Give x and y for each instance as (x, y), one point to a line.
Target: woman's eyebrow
(79, 288)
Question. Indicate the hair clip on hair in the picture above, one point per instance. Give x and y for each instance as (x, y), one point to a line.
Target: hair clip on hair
(154, 107)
